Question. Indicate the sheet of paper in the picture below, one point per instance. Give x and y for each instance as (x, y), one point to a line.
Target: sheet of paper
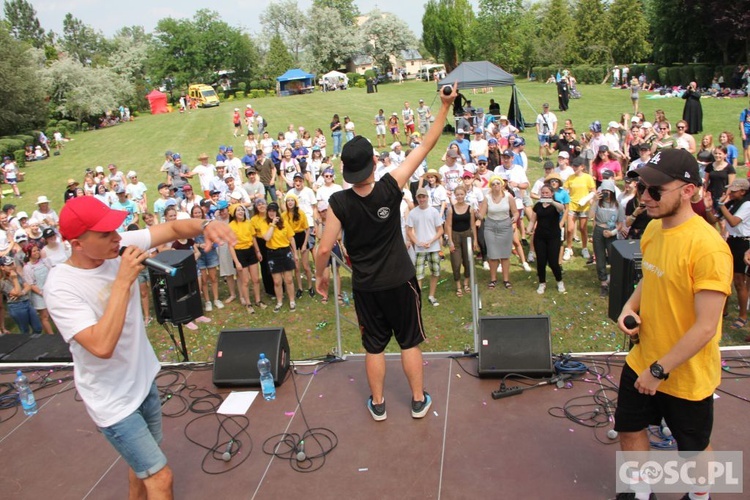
(237, 403)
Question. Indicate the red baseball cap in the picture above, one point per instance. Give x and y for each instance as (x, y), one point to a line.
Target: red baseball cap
(86, 213)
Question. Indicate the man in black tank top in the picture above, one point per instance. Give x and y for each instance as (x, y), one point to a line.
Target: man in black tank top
(387, 298)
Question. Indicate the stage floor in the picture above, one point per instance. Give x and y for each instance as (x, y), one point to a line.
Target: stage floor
(469, 445)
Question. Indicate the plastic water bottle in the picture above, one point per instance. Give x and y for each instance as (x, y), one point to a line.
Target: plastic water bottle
(346, 299)
(25, 394)
(266, 379)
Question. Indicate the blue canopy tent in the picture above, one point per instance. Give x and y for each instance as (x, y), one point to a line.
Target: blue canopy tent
(295, 81)
(479, 74)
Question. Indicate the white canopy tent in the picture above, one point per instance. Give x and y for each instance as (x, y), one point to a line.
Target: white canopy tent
(334, 80)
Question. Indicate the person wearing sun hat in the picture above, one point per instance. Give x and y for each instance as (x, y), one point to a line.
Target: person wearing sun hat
(386, 296)
(44, 213)
(70, 190)
(675, 368)
(94, 300)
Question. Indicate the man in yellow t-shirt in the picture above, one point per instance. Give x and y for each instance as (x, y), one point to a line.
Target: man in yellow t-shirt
(672, 372)
(581, 187)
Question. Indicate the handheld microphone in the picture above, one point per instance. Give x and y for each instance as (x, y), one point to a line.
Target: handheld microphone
(447, 89)
(301, 451)
(227, 455)
(156, 265)
(631, 323)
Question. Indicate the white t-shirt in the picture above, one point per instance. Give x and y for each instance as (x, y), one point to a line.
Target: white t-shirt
(324, 192)
(451, 176)
(111, 388)
(425, 223)
(233, 167)
(546, 122)
(306, 200)
(136, 191)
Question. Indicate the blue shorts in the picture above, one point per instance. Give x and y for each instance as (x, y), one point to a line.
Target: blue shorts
(543, 139)
(208, 260)
(136, 437)
(746, 142)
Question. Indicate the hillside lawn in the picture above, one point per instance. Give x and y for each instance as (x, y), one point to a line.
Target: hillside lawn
(579, 318)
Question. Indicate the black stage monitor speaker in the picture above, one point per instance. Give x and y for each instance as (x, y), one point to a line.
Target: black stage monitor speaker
(237, 353)
(515, 344)
(624, 275)
(41, 348)
(9, 343)
(177, 299)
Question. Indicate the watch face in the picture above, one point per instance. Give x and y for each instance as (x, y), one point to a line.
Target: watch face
(657, 371)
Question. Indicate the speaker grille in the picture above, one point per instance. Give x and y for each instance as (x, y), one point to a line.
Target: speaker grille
(515, 344)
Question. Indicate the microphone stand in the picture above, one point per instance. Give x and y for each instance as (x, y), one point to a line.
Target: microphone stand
(182, 345)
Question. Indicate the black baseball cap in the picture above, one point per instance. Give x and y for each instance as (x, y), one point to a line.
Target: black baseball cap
(357, 158)
(668, 165)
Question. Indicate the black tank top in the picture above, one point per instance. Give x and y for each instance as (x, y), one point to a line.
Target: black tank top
(372, 235)
(461, 222)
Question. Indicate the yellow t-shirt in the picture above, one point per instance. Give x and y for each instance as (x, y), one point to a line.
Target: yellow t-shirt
(677, 263)
(259, 224)
(245, 233)
(579, 186)
(280, 238)
(298, 226)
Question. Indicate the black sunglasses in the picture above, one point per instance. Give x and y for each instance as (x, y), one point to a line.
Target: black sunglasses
(654, 192)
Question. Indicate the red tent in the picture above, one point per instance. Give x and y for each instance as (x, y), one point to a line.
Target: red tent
(158, 101)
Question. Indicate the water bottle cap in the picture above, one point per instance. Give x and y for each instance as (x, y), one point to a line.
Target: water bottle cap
(262, 355)
(19, 373)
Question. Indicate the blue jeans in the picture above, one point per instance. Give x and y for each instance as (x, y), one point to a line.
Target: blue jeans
(137, 437)
(336, 143)
(25, 316)
(272, 191)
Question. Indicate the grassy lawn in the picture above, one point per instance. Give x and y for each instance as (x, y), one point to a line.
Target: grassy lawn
(579, 320)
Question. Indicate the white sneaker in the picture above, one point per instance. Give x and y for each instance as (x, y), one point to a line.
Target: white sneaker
(219, 304)
(541, 288)
(208, 307)
(561, 287)
(432, 300)
(567, 254)
(585, 253)
(526, 267)
(486, 265)
(531, 257)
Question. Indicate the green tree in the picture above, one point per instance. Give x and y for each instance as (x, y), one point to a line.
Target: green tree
(81, 42)
(346, 9)
(278, 58)
(503, 19)
(286, 19)
(386, 36)
(329, 41)
(628, 38)
(22, 105)
(446, 30)
(676, 30)
(23, 24)
(593, 33)
(81, 92)
(556, 36)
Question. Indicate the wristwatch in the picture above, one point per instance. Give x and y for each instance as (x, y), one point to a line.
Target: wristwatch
(657, 371)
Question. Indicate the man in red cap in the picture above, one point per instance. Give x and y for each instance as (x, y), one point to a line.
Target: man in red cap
(386, 294)
(95, 302)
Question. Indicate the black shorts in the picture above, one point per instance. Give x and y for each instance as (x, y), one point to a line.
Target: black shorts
(247, 257)
(690, 421)
(386, 313)
(299, 239)
(280, 260)
(738, 247)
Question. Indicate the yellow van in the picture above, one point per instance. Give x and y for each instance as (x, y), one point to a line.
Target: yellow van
(204, 95)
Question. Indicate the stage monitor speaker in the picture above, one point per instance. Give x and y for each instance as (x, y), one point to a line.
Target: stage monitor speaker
(624, 275)
(237, 353)
(177, 299)
(515, 344)
(43, 348)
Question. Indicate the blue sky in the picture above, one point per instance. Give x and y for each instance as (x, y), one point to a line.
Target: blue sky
(108, 16)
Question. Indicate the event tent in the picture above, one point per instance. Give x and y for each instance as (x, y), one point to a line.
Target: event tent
(480, 74)
(334, 79)
(158, 102)
(295, 81)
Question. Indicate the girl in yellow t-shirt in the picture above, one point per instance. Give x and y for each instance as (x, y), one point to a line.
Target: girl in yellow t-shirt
(297, 220)
(281, 256)
(245, 255)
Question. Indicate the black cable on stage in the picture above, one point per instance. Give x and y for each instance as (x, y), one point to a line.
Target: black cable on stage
(456, 358)
(234, 428)
(306, 452)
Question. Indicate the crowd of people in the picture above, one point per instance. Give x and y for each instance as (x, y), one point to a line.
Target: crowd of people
(275, 192)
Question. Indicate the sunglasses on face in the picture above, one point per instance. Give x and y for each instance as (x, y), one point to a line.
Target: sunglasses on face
(654, 192)
(328, 176)
(680, 127)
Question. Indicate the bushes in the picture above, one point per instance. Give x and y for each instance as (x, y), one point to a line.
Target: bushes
(637, 70)
(663, 76)
(20, 157)
(592, 75)
(9, 146)
(687, 74)
(239, 94)
(353, 78)
(28, 140)
(703, 75)
(652, 73)
(674, 75)
(242, 86)
(360, 83)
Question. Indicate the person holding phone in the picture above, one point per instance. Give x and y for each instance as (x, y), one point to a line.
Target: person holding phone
(545, 226)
